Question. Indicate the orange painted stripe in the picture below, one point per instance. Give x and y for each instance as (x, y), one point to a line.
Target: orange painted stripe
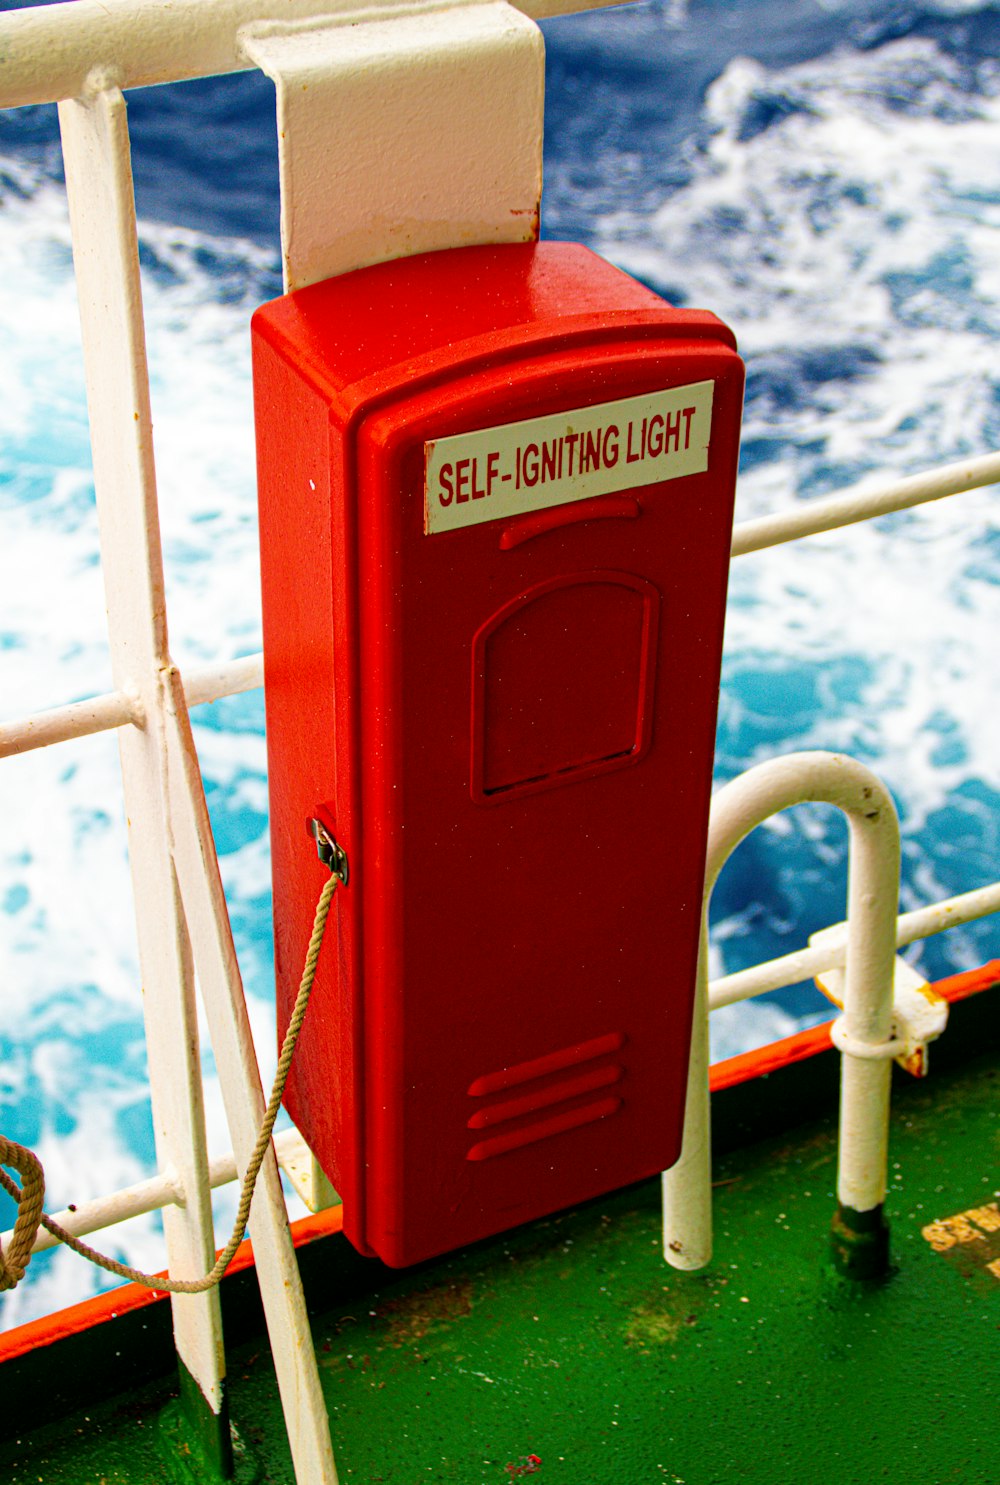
(970, 982)
(728, 1074)
(128, 1297)
(764, 1060)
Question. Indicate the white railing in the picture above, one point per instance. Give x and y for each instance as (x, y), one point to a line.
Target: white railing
(83, 55)
(50, 53)
(866, 1022)
(847, 508)
(164, 1190)
(812, 962)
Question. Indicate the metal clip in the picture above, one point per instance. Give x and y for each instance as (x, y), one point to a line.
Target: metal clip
(919, 1014)
(329, 851)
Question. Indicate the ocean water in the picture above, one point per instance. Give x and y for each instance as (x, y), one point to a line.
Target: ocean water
(823, 175)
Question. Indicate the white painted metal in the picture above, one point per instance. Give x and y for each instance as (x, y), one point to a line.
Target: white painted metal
(404, 134)
(102, 216)
(851, 506)
(202, 683)
(207, 918)
(302, 1168)
(951, 912)
(807, 964)
(52, 52)
(919, 1014)
(227, 678)
(163, 1190)
(687, 1186)
(78, 719)
(106, 1211)
(873, 886)
(175, 868)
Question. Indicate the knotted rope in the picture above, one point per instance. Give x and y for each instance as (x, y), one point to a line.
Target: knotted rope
(30, 1196)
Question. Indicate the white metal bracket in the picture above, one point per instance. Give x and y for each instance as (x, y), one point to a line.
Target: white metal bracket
(304, 1171)
(919, 1015)
(403, 132)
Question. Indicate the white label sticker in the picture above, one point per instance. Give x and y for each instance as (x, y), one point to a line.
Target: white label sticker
(588, 451)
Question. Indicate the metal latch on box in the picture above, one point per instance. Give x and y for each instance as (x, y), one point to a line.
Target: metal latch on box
(330, 851)
(919, 1015)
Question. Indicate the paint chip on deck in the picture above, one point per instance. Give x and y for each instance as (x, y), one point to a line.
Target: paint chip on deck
(970, 1240)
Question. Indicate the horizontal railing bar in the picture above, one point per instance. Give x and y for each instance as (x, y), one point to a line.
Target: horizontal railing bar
(790, 969)
(228, 678)
(106, 1211)
(77, 719)
(202, 683)
(53, 52)
(145, 1196)
(160, 1191)
(851, 506)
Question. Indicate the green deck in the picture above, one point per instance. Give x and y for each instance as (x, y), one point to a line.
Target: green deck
(572, 1342)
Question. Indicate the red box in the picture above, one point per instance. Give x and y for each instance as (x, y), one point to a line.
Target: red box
(496, 491)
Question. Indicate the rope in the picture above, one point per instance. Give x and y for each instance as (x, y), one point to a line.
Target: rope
(31, 1195)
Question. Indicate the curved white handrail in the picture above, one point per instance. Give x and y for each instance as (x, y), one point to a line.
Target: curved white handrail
(873, 887)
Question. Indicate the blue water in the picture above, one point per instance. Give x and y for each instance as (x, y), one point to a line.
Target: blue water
(826, 177)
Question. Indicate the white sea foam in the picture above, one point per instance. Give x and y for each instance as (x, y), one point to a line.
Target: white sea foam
(74, 1083)
(844, 216)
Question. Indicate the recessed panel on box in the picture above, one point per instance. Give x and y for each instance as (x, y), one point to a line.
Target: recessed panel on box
(496, 495)
(563, 681)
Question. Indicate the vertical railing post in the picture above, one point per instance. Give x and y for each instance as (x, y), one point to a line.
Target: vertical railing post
(102, 214)
(864, 1035)
(860, 1233)
(171, 832)
(687, 1186)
